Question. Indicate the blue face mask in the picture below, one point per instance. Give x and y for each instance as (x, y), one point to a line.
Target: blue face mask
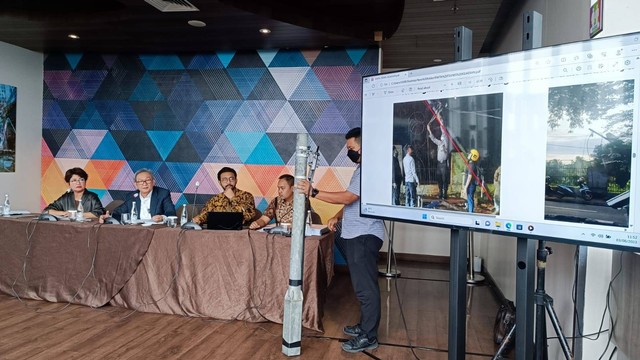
(353, 155)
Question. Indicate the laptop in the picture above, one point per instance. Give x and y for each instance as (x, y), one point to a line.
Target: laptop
(224, 220)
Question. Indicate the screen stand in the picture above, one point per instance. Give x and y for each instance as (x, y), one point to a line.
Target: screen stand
(388, 271)
(542, 302)
(457, 293)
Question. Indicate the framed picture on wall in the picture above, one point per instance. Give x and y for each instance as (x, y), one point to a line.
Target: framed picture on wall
(595, 19)
(7, 128)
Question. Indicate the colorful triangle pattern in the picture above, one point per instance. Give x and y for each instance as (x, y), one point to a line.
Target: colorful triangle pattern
(186, 116)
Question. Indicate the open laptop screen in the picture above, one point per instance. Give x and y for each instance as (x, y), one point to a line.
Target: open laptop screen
(225, 221)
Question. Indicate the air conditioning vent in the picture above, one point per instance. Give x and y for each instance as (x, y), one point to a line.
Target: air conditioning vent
(172, 5)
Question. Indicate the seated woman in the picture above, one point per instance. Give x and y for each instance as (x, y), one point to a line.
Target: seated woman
(281, 207)
(77, 180)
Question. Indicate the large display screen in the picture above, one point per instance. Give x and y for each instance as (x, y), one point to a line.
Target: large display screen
(537, 144)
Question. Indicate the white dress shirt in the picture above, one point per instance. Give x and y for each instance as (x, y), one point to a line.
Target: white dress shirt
(145, 206)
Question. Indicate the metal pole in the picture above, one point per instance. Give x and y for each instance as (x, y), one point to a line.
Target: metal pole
(526, 252)
(389, 272)
(292, 324)
(525, 260)
(457, 292)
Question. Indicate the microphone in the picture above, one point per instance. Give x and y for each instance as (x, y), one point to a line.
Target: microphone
(45, 216)
(195, 195)
(111, 220)
(190, 225)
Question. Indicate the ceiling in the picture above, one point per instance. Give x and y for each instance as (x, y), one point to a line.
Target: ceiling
(412, 33)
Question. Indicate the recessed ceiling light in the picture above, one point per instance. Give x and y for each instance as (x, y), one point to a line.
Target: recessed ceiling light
(265, 31)
(196, 23)
(437, 60)
(73, 36)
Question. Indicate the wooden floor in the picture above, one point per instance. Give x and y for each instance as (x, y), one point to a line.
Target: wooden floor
(42, 330)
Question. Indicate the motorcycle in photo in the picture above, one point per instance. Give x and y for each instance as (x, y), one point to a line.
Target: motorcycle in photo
(560, 191)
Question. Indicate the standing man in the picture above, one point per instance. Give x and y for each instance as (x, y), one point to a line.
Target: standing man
(360, 241)
(471, 178)
(442, 169)
(410, 177)
(231, 199)
(152, 202)
(496, 191)
(396, 177)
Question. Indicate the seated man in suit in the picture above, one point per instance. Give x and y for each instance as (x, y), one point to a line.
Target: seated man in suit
(152, 202)
(231, 199)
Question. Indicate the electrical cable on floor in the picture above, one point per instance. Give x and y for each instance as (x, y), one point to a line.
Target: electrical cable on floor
(604, 312)
(608, 307)
(404, 320)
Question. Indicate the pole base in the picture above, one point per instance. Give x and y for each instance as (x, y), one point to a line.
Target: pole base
(475, 280)
(390, 274)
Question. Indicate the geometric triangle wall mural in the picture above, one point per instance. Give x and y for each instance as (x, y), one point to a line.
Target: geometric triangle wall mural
(186, 116)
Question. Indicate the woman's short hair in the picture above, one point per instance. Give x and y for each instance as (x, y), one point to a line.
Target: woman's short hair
(287, 177)
(75, 171)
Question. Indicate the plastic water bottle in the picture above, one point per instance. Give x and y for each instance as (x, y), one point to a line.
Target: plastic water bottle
(6, 209)
(184, 218)
(80, 213)
(134, 213)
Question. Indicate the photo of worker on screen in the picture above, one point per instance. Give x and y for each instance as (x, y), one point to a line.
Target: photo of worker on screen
(446, 138)
(588, 163)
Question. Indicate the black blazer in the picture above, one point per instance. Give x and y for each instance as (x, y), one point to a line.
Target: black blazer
(90, 203)
(161, 203)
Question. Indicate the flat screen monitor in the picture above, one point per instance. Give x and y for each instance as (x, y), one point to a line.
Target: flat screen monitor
(538, 144)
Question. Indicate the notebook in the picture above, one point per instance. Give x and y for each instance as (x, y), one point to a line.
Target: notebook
(225, 220)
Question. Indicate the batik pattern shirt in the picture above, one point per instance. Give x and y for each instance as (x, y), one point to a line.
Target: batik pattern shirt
(241, 202)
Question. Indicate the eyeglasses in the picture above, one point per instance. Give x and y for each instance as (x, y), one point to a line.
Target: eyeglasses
(145, 181)
(228, 179)
(81, 180)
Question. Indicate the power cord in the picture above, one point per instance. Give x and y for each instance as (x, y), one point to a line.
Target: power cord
(404, 320)
(604, 312)
(608, 307)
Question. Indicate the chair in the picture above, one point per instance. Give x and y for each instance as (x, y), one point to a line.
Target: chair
(113, 205)
(315, 218)
(258, 215)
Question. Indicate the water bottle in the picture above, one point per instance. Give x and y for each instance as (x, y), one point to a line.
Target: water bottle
(184, 218)
(80, 213)
(6, 209)
(134, 213)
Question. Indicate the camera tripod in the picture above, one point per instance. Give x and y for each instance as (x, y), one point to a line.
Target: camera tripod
(543, 302)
